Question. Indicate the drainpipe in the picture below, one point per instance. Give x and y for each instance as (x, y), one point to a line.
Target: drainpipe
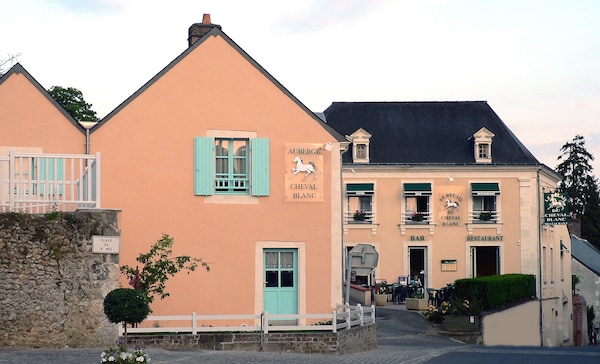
(87, 140)
(539, 238)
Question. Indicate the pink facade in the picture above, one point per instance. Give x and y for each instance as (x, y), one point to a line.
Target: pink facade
(215, 90)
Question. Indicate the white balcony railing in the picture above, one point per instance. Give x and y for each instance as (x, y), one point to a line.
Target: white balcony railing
(42, 182)
(359, 217)
(484, 217)
(416, 217)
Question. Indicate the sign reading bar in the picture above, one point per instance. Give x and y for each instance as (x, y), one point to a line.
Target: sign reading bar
(556, 211)
(105, 244)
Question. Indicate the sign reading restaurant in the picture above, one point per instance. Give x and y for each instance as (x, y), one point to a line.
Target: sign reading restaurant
(303, 173)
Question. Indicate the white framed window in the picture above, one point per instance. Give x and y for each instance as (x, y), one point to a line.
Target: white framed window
(483, 145)
(231, 165)
(484, 197)
(359, 200)
(417, 207)
(361, 140)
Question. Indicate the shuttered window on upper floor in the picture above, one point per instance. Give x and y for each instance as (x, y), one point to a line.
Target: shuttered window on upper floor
(231, 166)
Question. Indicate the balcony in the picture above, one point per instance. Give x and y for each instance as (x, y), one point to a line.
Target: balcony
(484, 217)
(416, 217)
(41, 182)
(359, 217)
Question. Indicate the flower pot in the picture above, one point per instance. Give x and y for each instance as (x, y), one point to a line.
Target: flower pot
(416, 304)
(380, 299)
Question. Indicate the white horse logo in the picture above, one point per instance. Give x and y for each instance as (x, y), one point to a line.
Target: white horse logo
(451, 205)
(301, 167)
(556, 202)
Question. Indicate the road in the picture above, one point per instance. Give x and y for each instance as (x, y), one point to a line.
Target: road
(404, 337)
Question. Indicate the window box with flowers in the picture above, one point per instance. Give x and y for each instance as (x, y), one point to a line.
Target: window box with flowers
(417, 217)
(485, 216)
(360, 216)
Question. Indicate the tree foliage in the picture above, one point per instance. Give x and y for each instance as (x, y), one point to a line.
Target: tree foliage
(581, 186)
(576, 172)
(127, 306)
(12, 58)
(71, 99)
(157, 266)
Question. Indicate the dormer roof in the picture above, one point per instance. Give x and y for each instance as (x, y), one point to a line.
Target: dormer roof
(427, 132)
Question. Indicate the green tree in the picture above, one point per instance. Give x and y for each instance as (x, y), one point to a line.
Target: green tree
(71, 99)
(581, 186)
(157, 266)
(127, 306)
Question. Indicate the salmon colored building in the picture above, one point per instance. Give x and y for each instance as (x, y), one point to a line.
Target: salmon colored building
(216, 153)
(32, 120)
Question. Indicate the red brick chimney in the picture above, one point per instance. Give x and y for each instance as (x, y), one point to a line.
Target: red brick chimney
(198, 30)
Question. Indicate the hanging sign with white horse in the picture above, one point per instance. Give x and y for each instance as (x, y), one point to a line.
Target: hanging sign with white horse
(304, 166)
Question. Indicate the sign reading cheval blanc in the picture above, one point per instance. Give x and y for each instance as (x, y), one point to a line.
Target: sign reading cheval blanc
(105, 244)
(556, 211)
(303, 173)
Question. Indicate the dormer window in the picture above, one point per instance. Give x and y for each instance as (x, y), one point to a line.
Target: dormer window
(360, 146)
(483, 146)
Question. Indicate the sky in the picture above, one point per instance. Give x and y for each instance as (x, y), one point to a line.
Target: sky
(536, 62)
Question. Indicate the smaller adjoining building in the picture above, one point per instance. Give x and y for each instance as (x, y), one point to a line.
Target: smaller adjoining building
(585, 264)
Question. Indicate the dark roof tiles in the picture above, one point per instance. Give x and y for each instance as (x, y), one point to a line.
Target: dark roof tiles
(427, 132)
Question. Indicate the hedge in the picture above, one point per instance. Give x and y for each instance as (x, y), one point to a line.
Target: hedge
(495, 292)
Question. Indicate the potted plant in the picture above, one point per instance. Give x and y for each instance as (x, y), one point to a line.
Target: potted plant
(381, 293)
(416, 302)
(417, 216)
(485, 216)
(463, 316)
(359, 216)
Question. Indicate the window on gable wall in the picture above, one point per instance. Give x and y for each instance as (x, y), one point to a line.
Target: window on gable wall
(231, 166)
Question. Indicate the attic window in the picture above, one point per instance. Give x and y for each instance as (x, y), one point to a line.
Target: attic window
(360, 146)
(484, 151)
(483, 145)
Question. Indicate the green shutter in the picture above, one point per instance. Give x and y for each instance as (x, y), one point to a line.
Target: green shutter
(260, 176)
(204, 160)
(47, 172)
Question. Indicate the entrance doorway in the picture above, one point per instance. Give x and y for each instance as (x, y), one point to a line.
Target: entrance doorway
(485, 261)
(417, 262)
(281, 277)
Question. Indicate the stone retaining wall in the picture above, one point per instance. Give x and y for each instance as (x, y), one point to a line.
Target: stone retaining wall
(356, 339)
(52, 285)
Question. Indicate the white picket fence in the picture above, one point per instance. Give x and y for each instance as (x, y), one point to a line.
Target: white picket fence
(44, 182)
(344, 317)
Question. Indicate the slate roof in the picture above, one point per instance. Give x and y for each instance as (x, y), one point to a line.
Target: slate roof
(585, 253)
(427, 132)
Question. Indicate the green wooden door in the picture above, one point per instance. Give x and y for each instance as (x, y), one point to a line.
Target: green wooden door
(281, 277)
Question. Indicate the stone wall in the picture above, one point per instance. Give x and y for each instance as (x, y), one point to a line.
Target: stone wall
(52, 285)
(356, 339)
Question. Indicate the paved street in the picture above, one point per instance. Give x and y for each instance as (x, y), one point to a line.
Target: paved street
(404, 337)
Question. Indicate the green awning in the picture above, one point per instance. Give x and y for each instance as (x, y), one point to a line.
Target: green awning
(485, 189)
(359, 188)
(417, 189)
